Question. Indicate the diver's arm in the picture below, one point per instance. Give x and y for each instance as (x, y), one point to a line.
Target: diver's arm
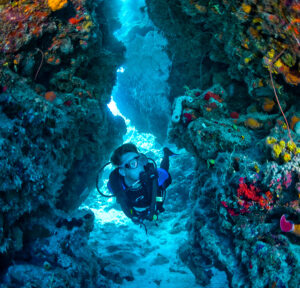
(119, 193)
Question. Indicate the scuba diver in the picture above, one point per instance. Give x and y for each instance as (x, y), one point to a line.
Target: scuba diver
(138, 184)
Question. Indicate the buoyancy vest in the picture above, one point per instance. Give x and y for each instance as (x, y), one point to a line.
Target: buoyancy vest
(153, 190)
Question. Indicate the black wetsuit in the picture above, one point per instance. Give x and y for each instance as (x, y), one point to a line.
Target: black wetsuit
(136, 202)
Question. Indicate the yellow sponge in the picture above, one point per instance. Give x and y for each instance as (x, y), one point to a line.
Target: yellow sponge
(291, 146)
(277, 149)
(271, 140)
(287, 157)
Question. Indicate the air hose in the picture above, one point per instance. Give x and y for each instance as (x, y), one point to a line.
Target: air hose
(97, 181)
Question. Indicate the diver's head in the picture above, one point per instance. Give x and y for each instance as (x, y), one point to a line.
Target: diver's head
(130, 162)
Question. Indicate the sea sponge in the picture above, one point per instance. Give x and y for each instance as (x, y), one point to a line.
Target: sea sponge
(234, 115)
(286, 157)
(271, 140)
(281, 66)
(252, 123)
(297, 229)
(277, 149)
(246, 8)
(268, 105)
(178, 107)
(286, 226)
(201, 8)
(247, 60)
(282, 144)
(50, 96)
(57, 4)
(289, 59)
(292, 78)
(293, 122)
(282, 151)
(291, 146)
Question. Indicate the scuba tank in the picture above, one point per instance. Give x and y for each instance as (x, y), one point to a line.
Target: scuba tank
(149, 181)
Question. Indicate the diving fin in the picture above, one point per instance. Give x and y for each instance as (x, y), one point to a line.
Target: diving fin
(168, 152)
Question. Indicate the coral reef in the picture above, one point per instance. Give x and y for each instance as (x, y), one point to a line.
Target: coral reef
(58, 67)
(241, 135)
(57, 4)
(232, 43)
(63, 49)
(177, 111)
(288, 226)
(57, 261)
(235, 65)
(239, 231)
(245, 181)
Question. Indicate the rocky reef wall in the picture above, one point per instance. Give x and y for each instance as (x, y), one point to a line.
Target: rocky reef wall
(247, 177)
(236, 109)
(231, 43)
(58, 66)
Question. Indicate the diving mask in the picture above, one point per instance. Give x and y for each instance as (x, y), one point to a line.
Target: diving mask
(141, 159)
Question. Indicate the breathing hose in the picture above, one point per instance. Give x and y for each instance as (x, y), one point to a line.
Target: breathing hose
(97, 181)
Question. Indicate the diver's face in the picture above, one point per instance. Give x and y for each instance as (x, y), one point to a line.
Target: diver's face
(131, 167)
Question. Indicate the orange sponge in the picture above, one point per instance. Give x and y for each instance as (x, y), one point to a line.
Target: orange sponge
(293, 122)
(50, 96)
(57, 4)
(297, 229)
(252, 123)
(268, 105)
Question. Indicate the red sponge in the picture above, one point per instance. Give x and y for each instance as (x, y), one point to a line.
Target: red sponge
(286, 226)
